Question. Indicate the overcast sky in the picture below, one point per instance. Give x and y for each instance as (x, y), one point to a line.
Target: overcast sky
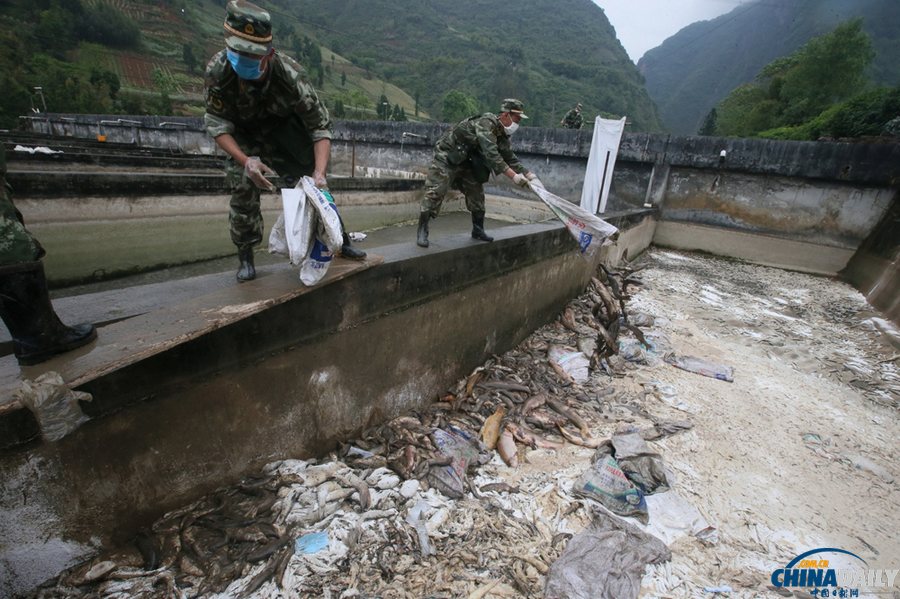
(644, 24)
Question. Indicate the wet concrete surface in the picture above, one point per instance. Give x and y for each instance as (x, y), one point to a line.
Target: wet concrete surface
(113, 300)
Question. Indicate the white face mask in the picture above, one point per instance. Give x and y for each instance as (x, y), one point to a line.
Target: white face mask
(511, 129)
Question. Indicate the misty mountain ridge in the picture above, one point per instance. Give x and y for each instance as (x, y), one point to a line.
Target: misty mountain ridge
(697, 67)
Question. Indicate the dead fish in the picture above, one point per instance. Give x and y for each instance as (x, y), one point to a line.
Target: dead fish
(351, 480)
(562, 374)
(530, 439)
(533, 402)
(499, 488)
(506, 447)
(506, 385)
(540, 566)
(544, 420)
(148, 547)
(490, 431)
(590, 442)
(473, 379)
(261, 578)
(587, 345)
(484, 589)
(314, 476)
(568, 320)
(571, 416)
(267, 550)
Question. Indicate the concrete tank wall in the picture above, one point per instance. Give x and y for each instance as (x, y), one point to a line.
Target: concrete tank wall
(827, 194)
(289, 380)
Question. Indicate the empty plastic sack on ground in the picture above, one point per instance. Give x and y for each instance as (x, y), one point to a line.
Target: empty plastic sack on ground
(604, 561)
(701, 366)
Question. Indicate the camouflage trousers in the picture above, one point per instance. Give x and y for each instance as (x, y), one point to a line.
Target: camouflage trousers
(288, 151)
(443, 177)
(17, 245)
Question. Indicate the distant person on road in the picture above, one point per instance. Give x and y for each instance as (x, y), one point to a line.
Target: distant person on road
(464, 158)
(265, 114)
(25, 307)
(573, 118)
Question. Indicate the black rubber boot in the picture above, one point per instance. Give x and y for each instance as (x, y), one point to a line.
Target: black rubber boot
(478, 227)
(36, 330)
(422, 233)
(348, 251)
(246, 272)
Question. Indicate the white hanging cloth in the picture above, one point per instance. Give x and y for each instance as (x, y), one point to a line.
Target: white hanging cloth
(601, 161)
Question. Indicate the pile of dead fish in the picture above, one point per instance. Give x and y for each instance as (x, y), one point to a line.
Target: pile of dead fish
(402, 511)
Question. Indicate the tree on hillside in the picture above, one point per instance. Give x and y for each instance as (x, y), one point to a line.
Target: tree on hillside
(383, 108)
(709, 123)
(107, 25)
(187, 55)
(792, 90)
(457, 106)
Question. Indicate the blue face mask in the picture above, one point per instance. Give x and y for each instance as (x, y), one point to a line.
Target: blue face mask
(245, 67)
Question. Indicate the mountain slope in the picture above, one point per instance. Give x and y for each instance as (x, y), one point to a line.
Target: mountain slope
(551, 53)
(697, 67)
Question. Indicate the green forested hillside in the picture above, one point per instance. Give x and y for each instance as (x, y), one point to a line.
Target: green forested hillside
(551, 53)
(699, 66)
(369, 58)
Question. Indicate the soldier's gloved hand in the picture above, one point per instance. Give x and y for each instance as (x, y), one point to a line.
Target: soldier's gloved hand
(520, 180)
(535, 182)
(257, 171)
(319, 180)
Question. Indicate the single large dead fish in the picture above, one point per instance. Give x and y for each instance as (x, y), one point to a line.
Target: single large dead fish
(590, 442)
(535, 441)
(490, 431)
(533, 402)
(506, 447)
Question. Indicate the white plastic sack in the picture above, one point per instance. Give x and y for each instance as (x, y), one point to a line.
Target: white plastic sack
(327, 238)
(589, 231)
(277, 238)
(297, 224)
(329, 231)
(309, 230)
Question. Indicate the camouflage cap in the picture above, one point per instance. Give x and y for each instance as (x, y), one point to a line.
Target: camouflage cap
(514, 106)
(248, 28)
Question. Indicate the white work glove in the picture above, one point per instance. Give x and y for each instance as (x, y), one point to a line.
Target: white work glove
(319, 180)
(520, 180)
(257, 171)
(532, 178)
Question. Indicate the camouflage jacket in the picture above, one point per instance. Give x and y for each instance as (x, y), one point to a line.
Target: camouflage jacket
(233, 104)
(573, 119)
(480, 139)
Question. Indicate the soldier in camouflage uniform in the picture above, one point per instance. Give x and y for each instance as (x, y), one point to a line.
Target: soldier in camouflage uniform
(464, 158)
(25, 307)
(573, 118)
(265, 114)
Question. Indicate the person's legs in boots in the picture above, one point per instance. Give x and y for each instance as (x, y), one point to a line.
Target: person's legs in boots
(246, 225)
(436, 186)
(347, 250)
(25, 307)
(474, 192)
